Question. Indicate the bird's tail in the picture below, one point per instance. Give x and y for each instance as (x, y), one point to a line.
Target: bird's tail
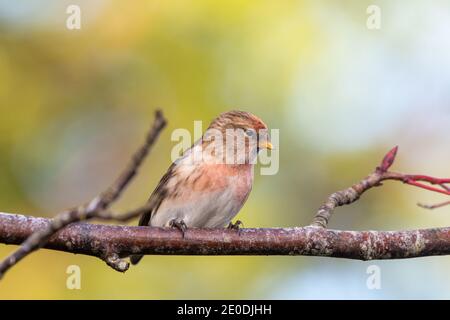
(143, 221)
(136, 258)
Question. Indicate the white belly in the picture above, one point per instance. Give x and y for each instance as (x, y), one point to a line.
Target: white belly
(202, 210)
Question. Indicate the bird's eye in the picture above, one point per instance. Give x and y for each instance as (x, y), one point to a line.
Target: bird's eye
(250, 132)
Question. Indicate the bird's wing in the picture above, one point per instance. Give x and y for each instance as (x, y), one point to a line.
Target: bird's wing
(162, 191)
(156, 198)
(158, 195)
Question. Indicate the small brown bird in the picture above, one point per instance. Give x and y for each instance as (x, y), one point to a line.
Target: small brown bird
(210, 182)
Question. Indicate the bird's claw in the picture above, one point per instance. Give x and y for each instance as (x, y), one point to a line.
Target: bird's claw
(178, 224)
(236, 226)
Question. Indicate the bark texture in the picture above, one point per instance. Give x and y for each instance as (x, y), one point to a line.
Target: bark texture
(96, 240)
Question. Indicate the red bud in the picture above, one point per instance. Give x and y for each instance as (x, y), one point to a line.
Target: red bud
(389, 159)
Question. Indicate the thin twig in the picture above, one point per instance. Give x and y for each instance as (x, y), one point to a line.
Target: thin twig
(375, 179)
(95, 208)
(434, 206)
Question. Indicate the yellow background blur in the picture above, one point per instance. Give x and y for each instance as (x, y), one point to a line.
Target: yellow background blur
(75, 103)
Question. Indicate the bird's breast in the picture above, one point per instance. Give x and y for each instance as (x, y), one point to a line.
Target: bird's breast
(210, 196)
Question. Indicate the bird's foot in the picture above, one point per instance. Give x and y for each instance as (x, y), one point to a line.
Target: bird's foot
(236, 226)
(179, 224)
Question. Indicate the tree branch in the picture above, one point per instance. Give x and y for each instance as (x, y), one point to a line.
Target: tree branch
(94, 239)
(96, 208)
(375, 179)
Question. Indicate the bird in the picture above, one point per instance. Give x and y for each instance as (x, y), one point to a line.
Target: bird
(210, 182)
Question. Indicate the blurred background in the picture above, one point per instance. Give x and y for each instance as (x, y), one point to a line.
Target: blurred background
(75, 103)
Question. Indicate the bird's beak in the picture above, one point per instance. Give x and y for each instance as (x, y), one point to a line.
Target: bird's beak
(265, 145)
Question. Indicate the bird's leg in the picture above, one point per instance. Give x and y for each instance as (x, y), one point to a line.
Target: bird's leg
(236, 226)
(179, 224)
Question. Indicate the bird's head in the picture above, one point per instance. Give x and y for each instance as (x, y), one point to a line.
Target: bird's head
(241, 134)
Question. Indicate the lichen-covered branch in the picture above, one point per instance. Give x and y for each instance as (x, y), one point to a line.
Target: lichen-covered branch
(94, 239)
